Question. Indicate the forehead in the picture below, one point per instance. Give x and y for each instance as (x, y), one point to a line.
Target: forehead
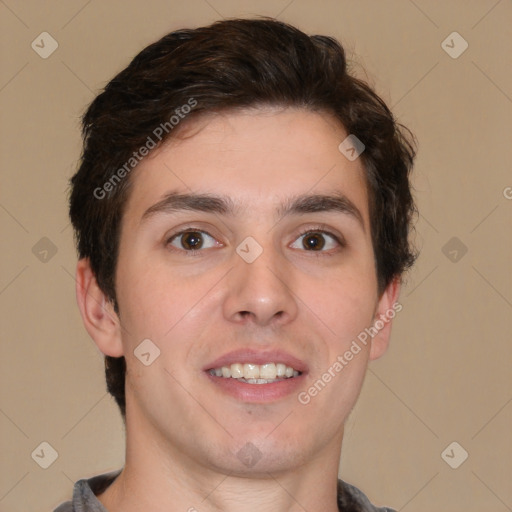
(259, 158)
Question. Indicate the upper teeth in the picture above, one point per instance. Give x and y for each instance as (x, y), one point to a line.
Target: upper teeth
(266, 371)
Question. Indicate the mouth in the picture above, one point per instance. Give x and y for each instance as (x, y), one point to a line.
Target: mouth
(252, 373)
(257, 377)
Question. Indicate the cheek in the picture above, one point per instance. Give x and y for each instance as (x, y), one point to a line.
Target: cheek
(343, 304)
(159, 303)
(150, 301)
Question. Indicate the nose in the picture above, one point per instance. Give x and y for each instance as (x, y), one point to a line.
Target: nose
(261, 291)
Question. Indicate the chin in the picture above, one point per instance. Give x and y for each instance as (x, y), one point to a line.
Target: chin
(253, 462)
(257, 456)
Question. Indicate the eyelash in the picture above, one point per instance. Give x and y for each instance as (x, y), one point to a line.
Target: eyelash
(317, 229)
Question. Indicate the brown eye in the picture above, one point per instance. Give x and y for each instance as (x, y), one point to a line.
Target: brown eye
(313, 241)
(317, 241)
(192, 240)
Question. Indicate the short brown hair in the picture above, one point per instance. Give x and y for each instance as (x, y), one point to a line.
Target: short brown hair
(233, 64)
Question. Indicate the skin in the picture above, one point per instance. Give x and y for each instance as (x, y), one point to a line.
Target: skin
(183, 433)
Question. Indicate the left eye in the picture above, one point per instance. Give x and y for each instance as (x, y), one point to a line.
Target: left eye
(191, 240)
(316, 241)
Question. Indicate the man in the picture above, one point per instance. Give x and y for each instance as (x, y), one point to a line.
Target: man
(242, 211)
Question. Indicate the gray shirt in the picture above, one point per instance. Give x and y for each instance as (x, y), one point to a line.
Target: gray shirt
(350, 498)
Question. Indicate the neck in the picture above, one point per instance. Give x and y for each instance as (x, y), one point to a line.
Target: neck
(161, 477)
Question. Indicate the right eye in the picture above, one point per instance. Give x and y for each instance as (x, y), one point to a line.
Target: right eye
(191, 240)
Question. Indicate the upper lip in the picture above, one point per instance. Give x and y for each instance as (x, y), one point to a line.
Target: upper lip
(257, 357)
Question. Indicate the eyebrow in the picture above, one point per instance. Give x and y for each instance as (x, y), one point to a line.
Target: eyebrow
(174, 202)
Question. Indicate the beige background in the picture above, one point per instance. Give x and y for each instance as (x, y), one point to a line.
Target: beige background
(447, 375)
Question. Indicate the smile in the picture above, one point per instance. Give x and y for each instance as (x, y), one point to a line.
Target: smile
(255, 373)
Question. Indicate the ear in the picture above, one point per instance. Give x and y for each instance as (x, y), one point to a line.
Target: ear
(387, 308)
(100, 320)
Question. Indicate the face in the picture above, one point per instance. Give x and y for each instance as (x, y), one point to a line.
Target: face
(251, 280)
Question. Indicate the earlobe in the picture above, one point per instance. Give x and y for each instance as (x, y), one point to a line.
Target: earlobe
(387, 308)
(100, 319)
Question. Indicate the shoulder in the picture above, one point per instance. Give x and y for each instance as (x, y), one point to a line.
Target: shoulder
(85, 491)
(351, 499)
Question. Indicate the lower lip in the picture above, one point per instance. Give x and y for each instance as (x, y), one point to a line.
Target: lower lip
(257, 393)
